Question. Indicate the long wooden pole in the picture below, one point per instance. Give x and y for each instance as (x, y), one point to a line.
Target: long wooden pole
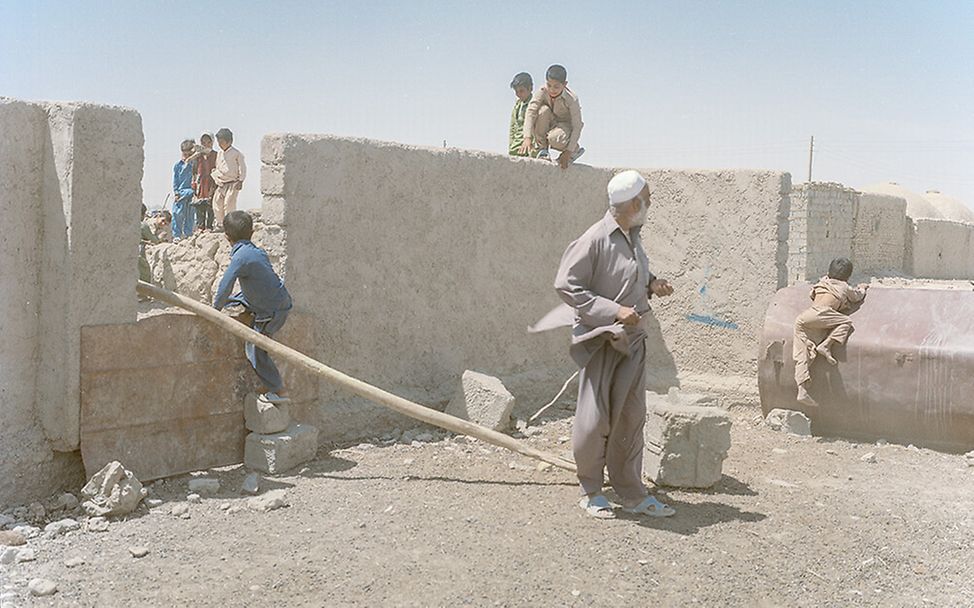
(353, 385)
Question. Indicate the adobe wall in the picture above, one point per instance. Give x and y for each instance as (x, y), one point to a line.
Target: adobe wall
(942, 249)
(880, 235)
(420, 263)
(722, 238)
(69, 176)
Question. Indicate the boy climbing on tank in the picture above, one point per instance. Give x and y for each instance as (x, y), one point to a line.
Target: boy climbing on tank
(832, 299)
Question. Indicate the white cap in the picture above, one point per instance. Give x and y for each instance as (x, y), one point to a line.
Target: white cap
(625, 186)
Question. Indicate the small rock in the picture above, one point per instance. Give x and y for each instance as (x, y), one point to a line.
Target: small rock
(254, 588)
(12, 538)
(74, 562)
(27, 531)
(194, 498)
(869, 457)
(36, 510)
(56, 528)
(25, 555)
(543, 466)
(387, 509)
(251, 484)
(67, 501)
(408, 461)
(968, 456)
(180, 509)
(153, 502)
(576, 593)
(184, 516)
(41, 587)
(225, 506)
(881, 442)
(830, 452)
(275, 499)
(361, 525)
(789, 421)
(234, 509)
(98, 524)
(643, 562)
(6, 520)
(139, 551)
(204, 485)
(8, 555)
(564, 439)
(425, 437)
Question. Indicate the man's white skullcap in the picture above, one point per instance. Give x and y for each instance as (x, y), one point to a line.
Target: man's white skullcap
(625, 186)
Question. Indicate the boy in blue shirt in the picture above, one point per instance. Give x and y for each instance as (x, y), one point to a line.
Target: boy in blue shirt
(262, 294)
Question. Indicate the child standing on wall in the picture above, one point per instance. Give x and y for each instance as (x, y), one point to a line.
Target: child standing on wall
(832, 297)
(229, 174)
(554, 119)
(264, 298)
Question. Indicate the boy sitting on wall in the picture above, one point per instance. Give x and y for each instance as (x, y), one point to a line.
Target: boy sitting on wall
(554, 119)
(264, 298)
(832, 297)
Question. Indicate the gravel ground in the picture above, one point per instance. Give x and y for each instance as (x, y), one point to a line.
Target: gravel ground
(794, 522)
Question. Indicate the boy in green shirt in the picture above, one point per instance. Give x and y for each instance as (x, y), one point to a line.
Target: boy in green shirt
(523, 88)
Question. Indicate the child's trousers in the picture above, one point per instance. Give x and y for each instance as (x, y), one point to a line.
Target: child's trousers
(803, 348)
(260, 359)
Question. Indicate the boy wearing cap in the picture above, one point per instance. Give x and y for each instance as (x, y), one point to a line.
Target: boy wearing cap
(604, 276)
(554, 119)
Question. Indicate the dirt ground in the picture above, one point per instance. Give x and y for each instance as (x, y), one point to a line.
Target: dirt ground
(794, 522)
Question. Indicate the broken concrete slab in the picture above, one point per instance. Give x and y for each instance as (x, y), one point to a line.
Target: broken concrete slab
(263, 417)
(789, 421)
(483, 400)
(275, 499)
(278, 452)
(112, 491)
(685, 444)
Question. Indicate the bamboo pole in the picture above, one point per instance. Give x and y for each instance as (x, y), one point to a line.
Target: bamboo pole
(353, 385)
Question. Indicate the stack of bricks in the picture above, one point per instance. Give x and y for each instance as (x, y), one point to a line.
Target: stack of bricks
(821, 227)
(275, 444)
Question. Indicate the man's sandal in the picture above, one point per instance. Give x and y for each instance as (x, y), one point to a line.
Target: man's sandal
(652, 507)
(597, 506)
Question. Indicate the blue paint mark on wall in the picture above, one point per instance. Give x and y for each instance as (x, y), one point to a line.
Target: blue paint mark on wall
(712, 321)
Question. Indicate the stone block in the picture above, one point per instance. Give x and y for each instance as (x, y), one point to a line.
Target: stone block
(278, 452)
(483, 400)
(789, 421)
(265, 418)
(685, 444)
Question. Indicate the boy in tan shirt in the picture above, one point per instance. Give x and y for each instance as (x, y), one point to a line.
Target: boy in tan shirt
(832, 298)
(554, 119)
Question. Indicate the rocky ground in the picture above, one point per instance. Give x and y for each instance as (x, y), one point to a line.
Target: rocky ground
(454, 522)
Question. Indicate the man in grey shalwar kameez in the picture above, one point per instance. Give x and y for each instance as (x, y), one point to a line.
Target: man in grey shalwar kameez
(604, 275)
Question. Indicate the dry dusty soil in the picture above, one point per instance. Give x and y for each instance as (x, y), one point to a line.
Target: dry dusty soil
(795, 522)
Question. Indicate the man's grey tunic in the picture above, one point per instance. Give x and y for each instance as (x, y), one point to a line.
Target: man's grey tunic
(600, 272)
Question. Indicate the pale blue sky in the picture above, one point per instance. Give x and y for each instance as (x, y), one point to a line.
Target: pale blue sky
(885, 87)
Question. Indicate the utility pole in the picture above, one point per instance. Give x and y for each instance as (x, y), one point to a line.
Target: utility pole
(811, 149)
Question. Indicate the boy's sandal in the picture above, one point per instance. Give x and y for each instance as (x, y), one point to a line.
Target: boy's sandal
(597, 506)
(652, 507)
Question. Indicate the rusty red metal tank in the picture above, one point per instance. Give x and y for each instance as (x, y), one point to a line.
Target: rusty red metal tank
(906, 374)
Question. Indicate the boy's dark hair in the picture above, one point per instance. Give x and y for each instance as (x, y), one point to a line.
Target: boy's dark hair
(188, 144)
(225, 134)
(557, 72)
(238, 225)
(840, 269)
(522, 79)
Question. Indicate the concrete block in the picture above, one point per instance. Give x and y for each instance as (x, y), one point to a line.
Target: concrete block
(483, 400)
(789, 421)
(265, 418)
(685, 444)
(278, 452)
